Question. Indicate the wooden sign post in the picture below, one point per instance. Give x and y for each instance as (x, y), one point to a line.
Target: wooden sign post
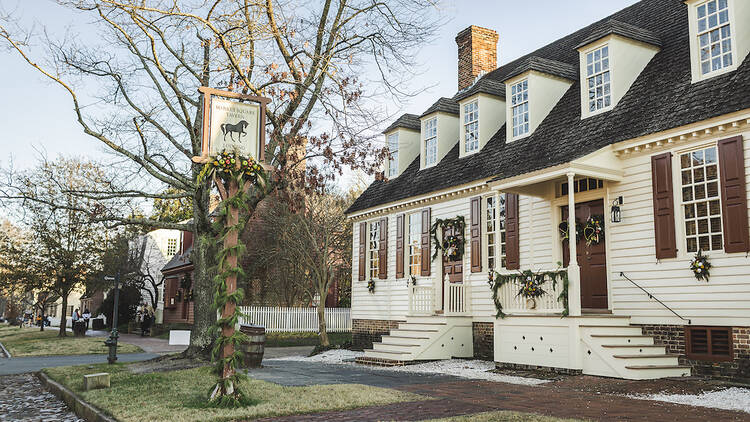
(233, 145)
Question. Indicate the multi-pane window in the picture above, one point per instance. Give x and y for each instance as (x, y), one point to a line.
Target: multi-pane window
(393, 149)
(597, 74)
(520, 108)
(495, 221)
(701, 200)
(430, 142)
(471, 126)
(373, 246)
(415, 247)
(714, 36)
(171, 247)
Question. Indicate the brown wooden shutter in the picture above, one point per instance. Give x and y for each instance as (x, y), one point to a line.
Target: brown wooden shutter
(476, 234)
(400, 245)
(664, 230)
(426, 262)
(383, 250)
(733, 195)
(512, 246)
(362, 251)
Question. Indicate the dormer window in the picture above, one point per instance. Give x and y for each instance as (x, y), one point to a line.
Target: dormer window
(520, 108)
(714, 36)
(393, 149)
(471, 127)
(598, 78)
(430, 142)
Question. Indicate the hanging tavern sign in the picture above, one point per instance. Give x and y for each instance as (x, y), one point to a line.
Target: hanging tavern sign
(233, 122)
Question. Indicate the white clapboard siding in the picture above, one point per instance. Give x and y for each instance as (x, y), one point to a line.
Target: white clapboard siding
(276, 319)
(723, 300)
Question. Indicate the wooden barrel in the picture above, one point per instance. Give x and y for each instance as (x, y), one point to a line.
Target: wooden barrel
(255, 346)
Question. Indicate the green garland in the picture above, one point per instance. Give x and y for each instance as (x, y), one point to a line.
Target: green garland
(453, 247)
(527, 280)
(225, 167)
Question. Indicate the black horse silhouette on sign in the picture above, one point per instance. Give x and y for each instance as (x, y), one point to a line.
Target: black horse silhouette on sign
(239, 128)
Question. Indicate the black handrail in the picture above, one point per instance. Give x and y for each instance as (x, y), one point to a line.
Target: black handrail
(650, 296)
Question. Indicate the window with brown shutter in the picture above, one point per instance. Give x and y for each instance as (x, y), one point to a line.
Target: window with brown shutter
(709, 343)
(512, 247)
(400, 246)
(476, 234)
(362, 251)
(664, 223)
(733, 195)
(425, 258)
(383, 249)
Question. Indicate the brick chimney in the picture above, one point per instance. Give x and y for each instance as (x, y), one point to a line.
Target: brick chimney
(477, 54)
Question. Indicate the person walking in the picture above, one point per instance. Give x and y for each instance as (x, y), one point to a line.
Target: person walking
(74, 322)
(86, 317)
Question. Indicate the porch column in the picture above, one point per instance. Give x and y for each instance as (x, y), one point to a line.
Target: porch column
(574, 271)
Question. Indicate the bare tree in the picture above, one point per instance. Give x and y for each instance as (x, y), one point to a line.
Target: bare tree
(319, 238)
(308, 56)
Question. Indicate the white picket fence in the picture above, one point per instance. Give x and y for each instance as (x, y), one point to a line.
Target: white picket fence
(277, 319)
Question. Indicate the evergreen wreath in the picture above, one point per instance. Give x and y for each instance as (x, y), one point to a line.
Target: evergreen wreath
(371, 286)
(411, 281)
(453, 246)
(700, 266)
(593, 230)
(530, 286)
(565, 235)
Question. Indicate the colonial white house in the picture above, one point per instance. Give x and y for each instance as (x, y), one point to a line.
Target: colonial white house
(641, 124)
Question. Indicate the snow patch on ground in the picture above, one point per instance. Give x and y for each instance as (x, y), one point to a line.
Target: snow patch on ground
(471, 369)
(733, 398)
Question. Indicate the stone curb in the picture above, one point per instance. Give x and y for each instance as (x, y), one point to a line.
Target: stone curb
(76, 404)
(5, 351)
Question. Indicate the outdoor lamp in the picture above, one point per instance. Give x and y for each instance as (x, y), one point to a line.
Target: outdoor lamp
(616, 213)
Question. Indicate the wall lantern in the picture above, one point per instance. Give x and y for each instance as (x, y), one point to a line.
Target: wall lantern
(616, 213)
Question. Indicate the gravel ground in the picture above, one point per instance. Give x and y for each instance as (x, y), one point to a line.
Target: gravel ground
(23, 399)
(471, 369)
(733, 398)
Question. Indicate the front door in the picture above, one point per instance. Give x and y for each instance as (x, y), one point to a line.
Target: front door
(453, 269)
(592, 258)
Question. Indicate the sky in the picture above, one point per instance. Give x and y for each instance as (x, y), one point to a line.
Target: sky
(36, 115)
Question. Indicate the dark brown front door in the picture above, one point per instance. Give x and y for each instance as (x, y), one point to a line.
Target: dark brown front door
(592, 259)
(454, 269)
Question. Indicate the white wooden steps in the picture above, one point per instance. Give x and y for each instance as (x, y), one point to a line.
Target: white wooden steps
(612, 347)
(422, 339)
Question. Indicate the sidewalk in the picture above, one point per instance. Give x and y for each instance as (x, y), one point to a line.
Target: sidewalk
(36, 363)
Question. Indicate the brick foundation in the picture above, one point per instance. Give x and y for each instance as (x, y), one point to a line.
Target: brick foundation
(368, 331)
(550, 369)
(738, 370)
(484, 340)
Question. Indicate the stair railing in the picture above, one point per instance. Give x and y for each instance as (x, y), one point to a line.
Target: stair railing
(651, 296)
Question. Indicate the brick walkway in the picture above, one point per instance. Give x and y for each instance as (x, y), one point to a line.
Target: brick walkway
(466, 397)
(22, 399)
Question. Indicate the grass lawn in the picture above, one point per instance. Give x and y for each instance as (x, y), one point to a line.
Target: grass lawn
(504, 417)
(32, 342)
(181, 395)
(304, 339)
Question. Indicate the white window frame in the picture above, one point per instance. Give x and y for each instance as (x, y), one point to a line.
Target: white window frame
(373, 249)
(597, 78)
(519, 107)
(471, 126)
(392, 142)
(722, 37)
(414, 243)
(430, 135)
(494, 231)
(171, 247)
(695, 44)
(680, 199)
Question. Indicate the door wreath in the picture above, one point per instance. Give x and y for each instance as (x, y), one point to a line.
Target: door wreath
(453, 245)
